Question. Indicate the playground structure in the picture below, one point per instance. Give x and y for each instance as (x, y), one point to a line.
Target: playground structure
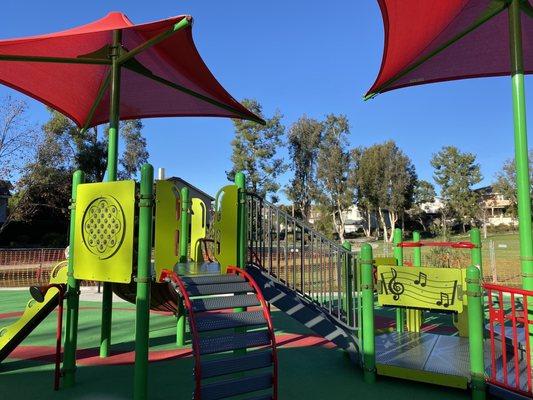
(259, 254)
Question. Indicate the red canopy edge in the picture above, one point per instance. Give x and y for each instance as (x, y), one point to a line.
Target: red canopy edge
(167, 78)
(428, 42)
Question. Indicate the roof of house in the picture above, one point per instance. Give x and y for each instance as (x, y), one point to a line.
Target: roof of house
(191, 186)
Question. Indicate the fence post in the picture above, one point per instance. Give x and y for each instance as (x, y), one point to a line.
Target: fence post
(367, 288)
(73, 294)
(475, 332)
(142, 302)
(398, 254)
(348, 275)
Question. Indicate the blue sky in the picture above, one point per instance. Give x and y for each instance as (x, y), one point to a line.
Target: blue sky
(299, 57)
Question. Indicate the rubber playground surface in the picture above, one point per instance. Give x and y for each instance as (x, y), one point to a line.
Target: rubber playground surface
(310, 367)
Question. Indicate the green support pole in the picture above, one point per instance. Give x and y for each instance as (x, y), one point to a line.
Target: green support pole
(475, 332)
(184, 247)
(111, 175)
(398, 254)
(242, 245)
(240, 182)
(348, 279)
(142, 302)
(415, 317)
(73, 295)
(369, 340)
(475, 253)
(521, 147)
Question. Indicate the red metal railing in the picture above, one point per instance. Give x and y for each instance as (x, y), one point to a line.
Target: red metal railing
(453, 245)
(509, 333)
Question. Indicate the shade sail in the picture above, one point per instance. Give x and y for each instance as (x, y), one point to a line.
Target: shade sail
(168, 78)
(434, 41)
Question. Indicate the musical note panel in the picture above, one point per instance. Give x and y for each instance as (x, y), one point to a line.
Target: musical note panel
(421, 287)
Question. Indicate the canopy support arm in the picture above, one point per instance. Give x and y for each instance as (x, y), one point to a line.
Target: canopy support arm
(99, 97)
(58, 60)
(183, 23)
(496, 7)
(197, 95)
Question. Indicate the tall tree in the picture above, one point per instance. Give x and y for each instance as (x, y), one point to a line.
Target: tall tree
(362, 192)
(17, 137)
(304, 140)
(506, 182)
(456, 173)
(386, 179)
(424, 193)
(43, 190)
(255, 151)
(333, 168)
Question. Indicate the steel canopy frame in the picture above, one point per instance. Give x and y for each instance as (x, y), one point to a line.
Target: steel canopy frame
(515, 9)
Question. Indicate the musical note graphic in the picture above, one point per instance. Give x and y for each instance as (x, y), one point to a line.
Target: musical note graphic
(444, 300)
(422, 279)
(396, 288)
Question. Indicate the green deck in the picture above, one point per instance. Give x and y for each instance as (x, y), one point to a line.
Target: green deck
(315, 372)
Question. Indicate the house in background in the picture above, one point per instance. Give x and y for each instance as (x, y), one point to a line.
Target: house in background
(495, 207)
(5, 194)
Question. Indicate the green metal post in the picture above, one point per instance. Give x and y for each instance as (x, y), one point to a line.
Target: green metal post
(475, 332)
(398, 254)
(369, 341)
(184, 247)
(184, 224)
(521, 147)
(348, 279)
(415, 318)
(240, 182)
(111, 175)
(73, 295)
(242, 236)
(475, 253)
(142, 302)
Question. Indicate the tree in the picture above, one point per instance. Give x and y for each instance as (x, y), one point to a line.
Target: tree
(334, 194)
(386, 181)
(506, 183)
(43, 191)
(304, 140)
(255, 151)
(456, 173)
(17, 137)
(362, 192)
(424, 193)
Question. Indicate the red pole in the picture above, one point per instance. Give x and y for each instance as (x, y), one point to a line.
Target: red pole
(57, 375)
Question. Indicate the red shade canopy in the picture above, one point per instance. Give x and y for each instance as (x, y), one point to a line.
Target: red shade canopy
(69, 71)
(434, 41)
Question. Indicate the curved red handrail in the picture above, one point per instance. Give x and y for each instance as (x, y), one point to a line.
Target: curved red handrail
(266, 314)
(167, 274)
(453, 245)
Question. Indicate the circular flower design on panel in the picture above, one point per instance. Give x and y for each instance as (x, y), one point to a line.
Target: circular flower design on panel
(103, 226)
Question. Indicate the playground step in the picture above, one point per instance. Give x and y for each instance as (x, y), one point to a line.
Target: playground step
(266, 397)
(222, 302)
(219, 344)
(212, 279)
(212, 322)
(226, 288)
(234, 387)
(248, 362)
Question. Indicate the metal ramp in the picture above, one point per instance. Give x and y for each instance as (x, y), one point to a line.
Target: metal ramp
(305, 311)
(235, 352)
